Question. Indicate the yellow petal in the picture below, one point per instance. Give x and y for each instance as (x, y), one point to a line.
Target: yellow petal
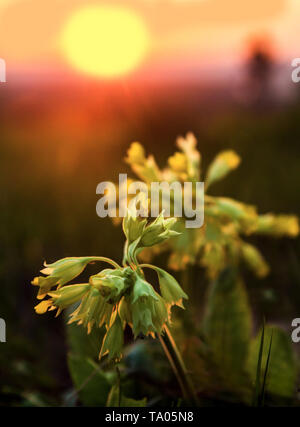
(43, 306)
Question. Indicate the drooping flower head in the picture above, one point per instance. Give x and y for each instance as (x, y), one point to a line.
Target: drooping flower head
(119, 296)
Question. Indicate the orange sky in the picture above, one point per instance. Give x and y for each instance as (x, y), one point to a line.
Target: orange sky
(182, 31)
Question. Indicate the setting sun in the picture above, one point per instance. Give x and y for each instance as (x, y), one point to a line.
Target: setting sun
(105, 41)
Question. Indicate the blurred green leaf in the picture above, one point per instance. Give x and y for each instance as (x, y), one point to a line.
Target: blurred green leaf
(90, 382)
(227, 327)
(263, 392)
(282, 373)
(83, 344)
(114, 400)
(257, 389)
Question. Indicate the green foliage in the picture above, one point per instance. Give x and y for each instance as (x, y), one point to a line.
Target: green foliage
(257, 371)
(91, 383)
(115, 400)
(82, 344)
(282, 372)
(227, 327)
(257, 389)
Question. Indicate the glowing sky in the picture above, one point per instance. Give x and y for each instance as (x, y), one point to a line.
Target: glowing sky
(182, 31)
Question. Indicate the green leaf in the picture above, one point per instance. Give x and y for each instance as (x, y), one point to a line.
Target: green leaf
(263, 391)
(227, 328)
(114, 400)
(282, 372)
(90, 382)
(82, 344)
(257, 391)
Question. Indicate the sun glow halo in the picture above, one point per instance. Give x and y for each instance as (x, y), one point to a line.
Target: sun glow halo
(105, 41)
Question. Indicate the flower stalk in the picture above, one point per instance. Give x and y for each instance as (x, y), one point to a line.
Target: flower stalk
(173, 354)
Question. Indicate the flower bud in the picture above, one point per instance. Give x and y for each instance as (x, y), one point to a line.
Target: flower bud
(149, 315)
(125, 310)
(170, 289)
(147, 309)
(114, 339)
(68, 295)
(133, 225)
(142, 290)
(111, 284)
(142, 316)
(160, 317)
(45, 284)
(59, 273)
(278, 225)
(67, 269)
(158, 231)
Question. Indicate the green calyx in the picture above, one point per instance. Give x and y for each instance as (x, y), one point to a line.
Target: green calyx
(111, 284)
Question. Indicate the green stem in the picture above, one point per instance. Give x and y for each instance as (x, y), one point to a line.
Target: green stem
(171, 350)
(119, 386)
(148, 266)
(108, 260)
(173, 354)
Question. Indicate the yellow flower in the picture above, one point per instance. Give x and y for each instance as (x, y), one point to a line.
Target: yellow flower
(278, 225)
(255, 260)
(43, 306)
(45, 284)
(68, 295)
(115, 297)
(193, 157)
(187, 144)
(225, 162)
(60, 272)
(135, 153)
(178, 162)
(67, 269)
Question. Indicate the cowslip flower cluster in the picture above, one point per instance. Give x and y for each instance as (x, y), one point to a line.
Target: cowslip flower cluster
(221, 241)
(116, 296)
